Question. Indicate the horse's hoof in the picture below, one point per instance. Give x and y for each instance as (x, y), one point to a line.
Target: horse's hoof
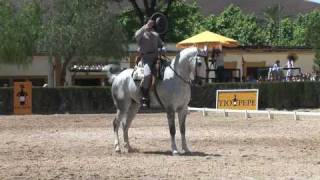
(117, 149)
(127, 150)
(175, 153)
(130, 150)
(185, 152)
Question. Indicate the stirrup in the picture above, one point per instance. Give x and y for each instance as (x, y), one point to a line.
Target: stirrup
(145, 103)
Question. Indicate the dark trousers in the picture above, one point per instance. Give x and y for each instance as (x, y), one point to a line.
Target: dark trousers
(220, 74)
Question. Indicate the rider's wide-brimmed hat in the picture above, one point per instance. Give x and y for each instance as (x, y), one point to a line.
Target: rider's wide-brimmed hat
(208, 39)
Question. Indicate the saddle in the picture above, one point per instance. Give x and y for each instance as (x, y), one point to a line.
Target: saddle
(137, 73)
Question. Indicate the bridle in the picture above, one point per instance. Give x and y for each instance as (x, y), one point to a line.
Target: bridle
(196, 77)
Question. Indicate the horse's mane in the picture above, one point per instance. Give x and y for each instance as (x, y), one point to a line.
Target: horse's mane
(187, 53)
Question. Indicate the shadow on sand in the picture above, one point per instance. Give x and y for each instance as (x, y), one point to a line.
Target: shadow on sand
(168, 153)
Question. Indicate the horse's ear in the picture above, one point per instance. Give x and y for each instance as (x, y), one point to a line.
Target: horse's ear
(203, 52)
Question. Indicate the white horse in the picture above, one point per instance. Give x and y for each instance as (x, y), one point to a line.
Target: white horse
(174, 94)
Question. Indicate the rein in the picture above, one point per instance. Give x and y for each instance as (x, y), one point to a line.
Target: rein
(176, 73)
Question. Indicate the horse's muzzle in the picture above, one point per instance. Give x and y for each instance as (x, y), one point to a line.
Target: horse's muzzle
(198, 82)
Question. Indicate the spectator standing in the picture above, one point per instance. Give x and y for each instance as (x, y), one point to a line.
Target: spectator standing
(218, 55)
(276, 71)
(290, 64)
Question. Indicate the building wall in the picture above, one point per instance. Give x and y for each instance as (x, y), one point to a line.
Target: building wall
(38, 67)
(37, 72)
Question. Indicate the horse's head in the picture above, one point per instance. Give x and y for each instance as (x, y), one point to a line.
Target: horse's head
(198, 67)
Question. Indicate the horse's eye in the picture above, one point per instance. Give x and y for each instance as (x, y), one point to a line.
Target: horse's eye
(199, 63)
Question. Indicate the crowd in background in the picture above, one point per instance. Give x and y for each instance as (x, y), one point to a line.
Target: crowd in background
(288, 73)
(295, 78)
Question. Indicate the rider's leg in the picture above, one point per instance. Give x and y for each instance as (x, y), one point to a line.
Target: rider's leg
(147, 80)
(157, 69)
(155, 73)
(145, 90)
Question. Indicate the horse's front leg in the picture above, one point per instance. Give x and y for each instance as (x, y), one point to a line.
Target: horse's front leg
(172, 128)
(182, 115)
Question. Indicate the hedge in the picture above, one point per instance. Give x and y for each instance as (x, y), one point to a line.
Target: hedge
(63, 100)
(278, 95)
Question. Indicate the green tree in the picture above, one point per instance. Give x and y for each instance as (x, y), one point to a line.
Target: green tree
(299, 31)
(313, 34)
(273, 15)
(184, 20)
(144, 10)
(209, 23)
(233, 23)
(76, 30)
(20, 27)
(286, 34)
(130, 22)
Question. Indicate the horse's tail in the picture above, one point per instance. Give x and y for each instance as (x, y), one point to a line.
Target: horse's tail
(109, 69)
(111, 77)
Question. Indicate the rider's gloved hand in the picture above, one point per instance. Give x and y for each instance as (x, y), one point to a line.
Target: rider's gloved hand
(164, 49)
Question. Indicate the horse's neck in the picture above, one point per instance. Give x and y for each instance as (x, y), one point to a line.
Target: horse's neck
(181, 68)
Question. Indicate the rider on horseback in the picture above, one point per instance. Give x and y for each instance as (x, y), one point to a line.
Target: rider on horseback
(148, 41)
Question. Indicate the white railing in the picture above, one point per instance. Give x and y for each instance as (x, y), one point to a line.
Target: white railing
(295, 114)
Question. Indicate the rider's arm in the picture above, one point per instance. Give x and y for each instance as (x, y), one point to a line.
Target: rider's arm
(139, 33)
(160, 42)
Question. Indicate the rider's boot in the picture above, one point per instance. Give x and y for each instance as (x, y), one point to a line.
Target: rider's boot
(157, 69)
(145, 101)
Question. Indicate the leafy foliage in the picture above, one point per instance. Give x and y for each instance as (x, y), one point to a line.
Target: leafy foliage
(76, 30)
(68, 29)
(130, 22)
(19, 31)
(83, 28)
(184, 20)
(232, 22)
(286, 32)
(313, 34)
(181, 16)
(272, 16)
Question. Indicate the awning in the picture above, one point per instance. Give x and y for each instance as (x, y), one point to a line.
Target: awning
(209, 39)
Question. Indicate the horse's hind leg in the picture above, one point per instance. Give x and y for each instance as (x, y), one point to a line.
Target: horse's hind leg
(172, 128)
(122, 112)
(133, 109)
(182, 115)
(116, 124)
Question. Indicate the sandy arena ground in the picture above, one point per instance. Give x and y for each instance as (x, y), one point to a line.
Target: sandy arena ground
(81, 147)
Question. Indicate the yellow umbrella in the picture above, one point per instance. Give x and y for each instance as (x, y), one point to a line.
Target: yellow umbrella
(209, 39)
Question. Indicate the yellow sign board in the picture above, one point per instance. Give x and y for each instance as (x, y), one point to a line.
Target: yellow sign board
(22, 98)
(240, 99)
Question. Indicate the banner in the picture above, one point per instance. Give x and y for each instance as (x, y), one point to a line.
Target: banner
(240, 99)
(22, 98)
